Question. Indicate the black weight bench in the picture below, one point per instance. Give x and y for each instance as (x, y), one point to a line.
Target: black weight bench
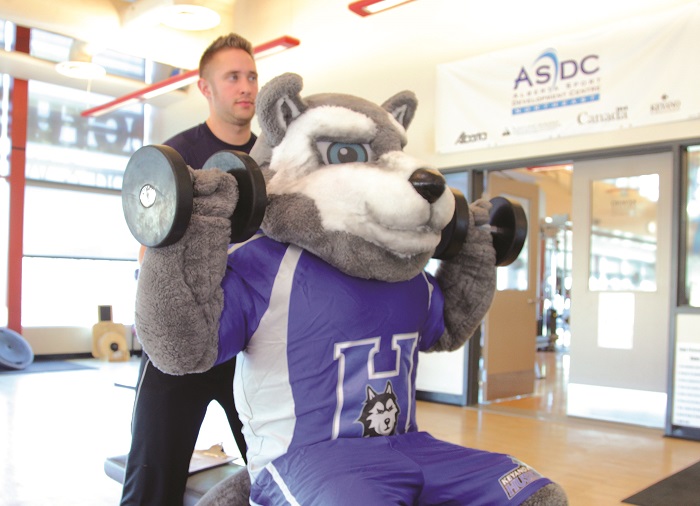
(198, 483)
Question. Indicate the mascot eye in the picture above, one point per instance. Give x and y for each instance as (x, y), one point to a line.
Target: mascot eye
(341, 152)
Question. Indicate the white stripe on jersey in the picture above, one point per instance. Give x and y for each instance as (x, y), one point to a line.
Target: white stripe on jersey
(233, 247)
(271, 418)
(430, 288)
(281, 484)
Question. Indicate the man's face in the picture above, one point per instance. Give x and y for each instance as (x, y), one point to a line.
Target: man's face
(231, 85)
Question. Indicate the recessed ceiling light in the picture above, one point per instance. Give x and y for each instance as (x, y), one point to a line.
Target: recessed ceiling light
(79, 63)
(80, 69)
(189, 17)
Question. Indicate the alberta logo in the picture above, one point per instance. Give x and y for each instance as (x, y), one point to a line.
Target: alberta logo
(465, 138)
(518, 479)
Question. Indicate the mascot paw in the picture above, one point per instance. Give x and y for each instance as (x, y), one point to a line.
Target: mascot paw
(179, 298)
(206, 239)
(480, 211)
(215, 193)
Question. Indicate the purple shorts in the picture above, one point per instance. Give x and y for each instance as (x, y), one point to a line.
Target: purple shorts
(410, 469)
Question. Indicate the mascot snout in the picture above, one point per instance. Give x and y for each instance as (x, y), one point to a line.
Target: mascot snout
(428, 183)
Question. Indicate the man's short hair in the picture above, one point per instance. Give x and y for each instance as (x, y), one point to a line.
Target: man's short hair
(232, 40)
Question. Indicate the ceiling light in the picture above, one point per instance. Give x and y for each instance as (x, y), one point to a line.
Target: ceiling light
(179, 14)
(368, 7)
(80, 69)
(275, 46)
(189, 17)
(79, 64)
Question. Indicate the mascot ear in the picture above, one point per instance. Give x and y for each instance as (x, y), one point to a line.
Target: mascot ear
(402, 107)
(278, 104)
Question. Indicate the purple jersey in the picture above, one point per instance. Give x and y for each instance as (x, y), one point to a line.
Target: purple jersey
(323, 355)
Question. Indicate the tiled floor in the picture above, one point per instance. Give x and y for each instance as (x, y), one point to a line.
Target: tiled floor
(57, 428)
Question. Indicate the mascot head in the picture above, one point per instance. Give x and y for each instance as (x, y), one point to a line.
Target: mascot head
(339, 184)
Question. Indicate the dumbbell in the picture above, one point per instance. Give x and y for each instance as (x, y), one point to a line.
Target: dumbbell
(157, 200)
(508, 225)
(158, 195)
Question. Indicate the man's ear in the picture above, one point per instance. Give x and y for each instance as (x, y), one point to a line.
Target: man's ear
(204, 88)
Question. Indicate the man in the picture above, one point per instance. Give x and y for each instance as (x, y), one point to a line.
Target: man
(169, 410)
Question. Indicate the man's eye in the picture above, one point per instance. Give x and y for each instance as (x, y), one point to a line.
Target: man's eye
(342, 152)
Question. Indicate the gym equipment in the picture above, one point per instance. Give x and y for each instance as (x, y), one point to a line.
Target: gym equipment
(15, 351)
(157, 194)
(508, 229)
(157, 199)
(198, 483)
(508, 225)
(252, 195)
(455, 233)
(109, 338)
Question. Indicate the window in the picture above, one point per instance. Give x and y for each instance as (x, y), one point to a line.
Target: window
(56, 48)
(692, 274)
(78, 252)
(624, 214)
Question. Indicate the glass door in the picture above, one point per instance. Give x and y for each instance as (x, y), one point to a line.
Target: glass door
(622, 228)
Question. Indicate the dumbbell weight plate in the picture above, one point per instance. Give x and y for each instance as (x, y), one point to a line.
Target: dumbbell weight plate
(455, 233)
(157, 195)
(508, 229)
(252, 195)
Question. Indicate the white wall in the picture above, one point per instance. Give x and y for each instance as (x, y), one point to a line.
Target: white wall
(377, 56)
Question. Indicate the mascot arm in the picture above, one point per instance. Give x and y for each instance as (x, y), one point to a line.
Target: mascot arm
(468, 281)
(179, 297)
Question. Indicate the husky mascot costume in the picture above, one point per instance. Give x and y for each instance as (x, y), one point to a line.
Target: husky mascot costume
(327, 307)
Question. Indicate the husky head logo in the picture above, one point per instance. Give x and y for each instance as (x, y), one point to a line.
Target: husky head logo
(379, 413)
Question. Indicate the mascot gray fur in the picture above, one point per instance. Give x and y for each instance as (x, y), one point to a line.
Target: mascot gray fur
(357, 209)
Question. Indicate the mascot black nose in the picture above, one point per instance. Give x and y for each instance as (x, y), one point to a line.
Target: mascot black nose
(428, 183)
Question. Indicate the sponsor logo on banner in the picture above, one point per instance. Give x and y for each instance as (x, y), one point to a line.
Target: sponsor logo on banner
(465, 138)
(587, 118)
(605, 79)
(534, 128)
(665, 106)
(551, 82)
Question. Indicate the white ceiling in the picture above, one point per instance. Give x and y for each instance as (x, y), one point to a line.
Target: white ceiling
(333, 39)
(105, 24)
(101, 22)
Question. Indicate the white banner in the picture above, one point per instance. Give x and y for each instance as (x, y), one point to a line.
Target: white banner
(638, 72)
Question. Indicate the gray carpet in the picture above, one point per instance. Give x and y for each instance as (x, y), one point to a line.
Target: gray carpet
(680, 489)
(46, 366)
